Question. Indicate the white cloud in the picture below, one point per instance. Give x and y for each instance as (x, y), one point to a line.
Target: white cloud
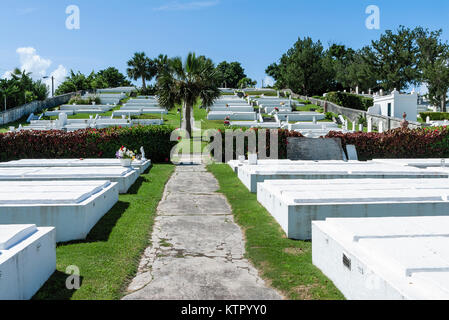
(30, 61)
(192, 5)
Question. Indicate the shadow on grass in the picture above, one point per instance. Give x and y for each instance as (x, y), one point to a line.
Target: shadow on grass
(101, 231)
(104, 227)
(134, 189)
(55, 288)
(148, 169)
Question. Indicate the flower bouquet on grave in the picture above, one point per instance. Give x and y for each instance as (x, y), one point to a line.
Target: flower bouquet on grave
(227, 121)
(126, 156)
(276, 109)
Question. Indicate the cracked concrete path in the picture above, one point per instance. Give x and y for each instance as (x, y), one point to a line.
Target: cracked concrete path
(197, 249)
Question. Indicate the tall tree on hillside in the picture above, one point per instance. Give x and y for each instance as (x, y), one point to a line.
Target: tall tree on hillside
(304, 68)
(434, 66)
(113, 78)
(20, 89)
(230, 74)
(361, 72)
(395, 57)
(340, 59)
(186, 82)
(161, 64)
(246, 83)
(40, 90)
(274, 71)
(141, 67)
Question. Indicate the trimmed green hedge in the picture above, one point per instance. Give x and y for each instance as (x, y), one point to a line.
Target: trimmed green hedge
(88, 143)
(434, 116)
(349, 100)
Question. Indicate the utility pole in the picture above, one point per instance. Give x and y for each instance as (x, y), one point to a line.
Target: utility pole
(52, 84)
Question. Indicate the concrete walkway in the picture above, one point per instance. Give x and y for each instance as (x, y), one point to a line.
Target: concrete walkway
(197, 249)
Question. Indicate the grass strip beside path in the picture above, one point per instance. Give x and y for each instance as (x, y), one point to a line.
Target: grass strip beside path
(109, 257)
(285, 264)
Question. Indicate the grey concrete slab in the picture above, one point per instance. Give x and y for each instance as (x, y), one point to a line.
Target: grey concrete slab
(185, 181)
(215, 236)
(201, 278)
(197, 250)
(194, 204)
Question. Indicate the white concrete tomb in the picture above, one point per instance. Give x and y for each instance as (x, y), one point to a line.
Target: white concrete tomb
(251, 175)
(27, 260)
(72, 207)
(125, 177)
(385, 258)
(296, 203)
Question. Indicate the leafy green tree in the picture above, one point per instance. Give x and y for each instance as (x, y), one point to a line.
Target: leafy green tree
(113, 78)
(75, 82)
(98, 82)
(230, 74)
(246, 83)
(183, 83)
(107, 78)
(21, 89)
(40, 90)
(361, 72)
(395, 58)
(434, 66)
(161, 63)
(274, 71)
(341, 58)
(66, 87)
(141, 67)
(304, 69)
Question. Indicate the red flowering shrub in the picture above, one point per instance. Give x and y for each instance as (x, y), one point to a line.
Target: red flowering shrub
(89, 143)
(398, 143)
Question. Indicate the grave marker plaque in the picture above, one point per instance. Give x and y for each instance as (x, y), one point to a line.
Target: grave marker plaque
(314, 149)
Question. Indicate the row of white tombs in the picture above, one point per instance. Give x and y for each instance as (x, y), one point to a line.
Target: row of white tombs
(145, 105)
(273, 113)
(43, 202)
(379, 229)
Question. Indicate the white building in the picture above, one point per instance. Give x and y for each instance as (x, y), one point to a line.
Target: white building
(395, 104)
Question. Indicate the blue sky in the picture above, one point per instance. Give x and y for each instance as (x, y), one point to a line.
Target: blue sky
(254, 32)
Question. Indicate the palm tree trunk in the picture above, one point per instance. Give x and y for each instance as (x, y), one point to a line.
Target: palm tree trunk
(443, 103)
(187, 119)
(144, 86)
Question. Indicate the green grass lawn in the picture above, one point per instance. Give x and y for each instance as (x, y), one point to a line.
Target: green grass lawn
(285, 264)
(109, 257)
(309, 107)
(5, 127)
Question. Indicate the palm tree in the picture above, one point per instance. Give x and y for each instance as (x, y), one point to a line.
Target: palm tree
(140, 66)
(185, 83)
(161, 64)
